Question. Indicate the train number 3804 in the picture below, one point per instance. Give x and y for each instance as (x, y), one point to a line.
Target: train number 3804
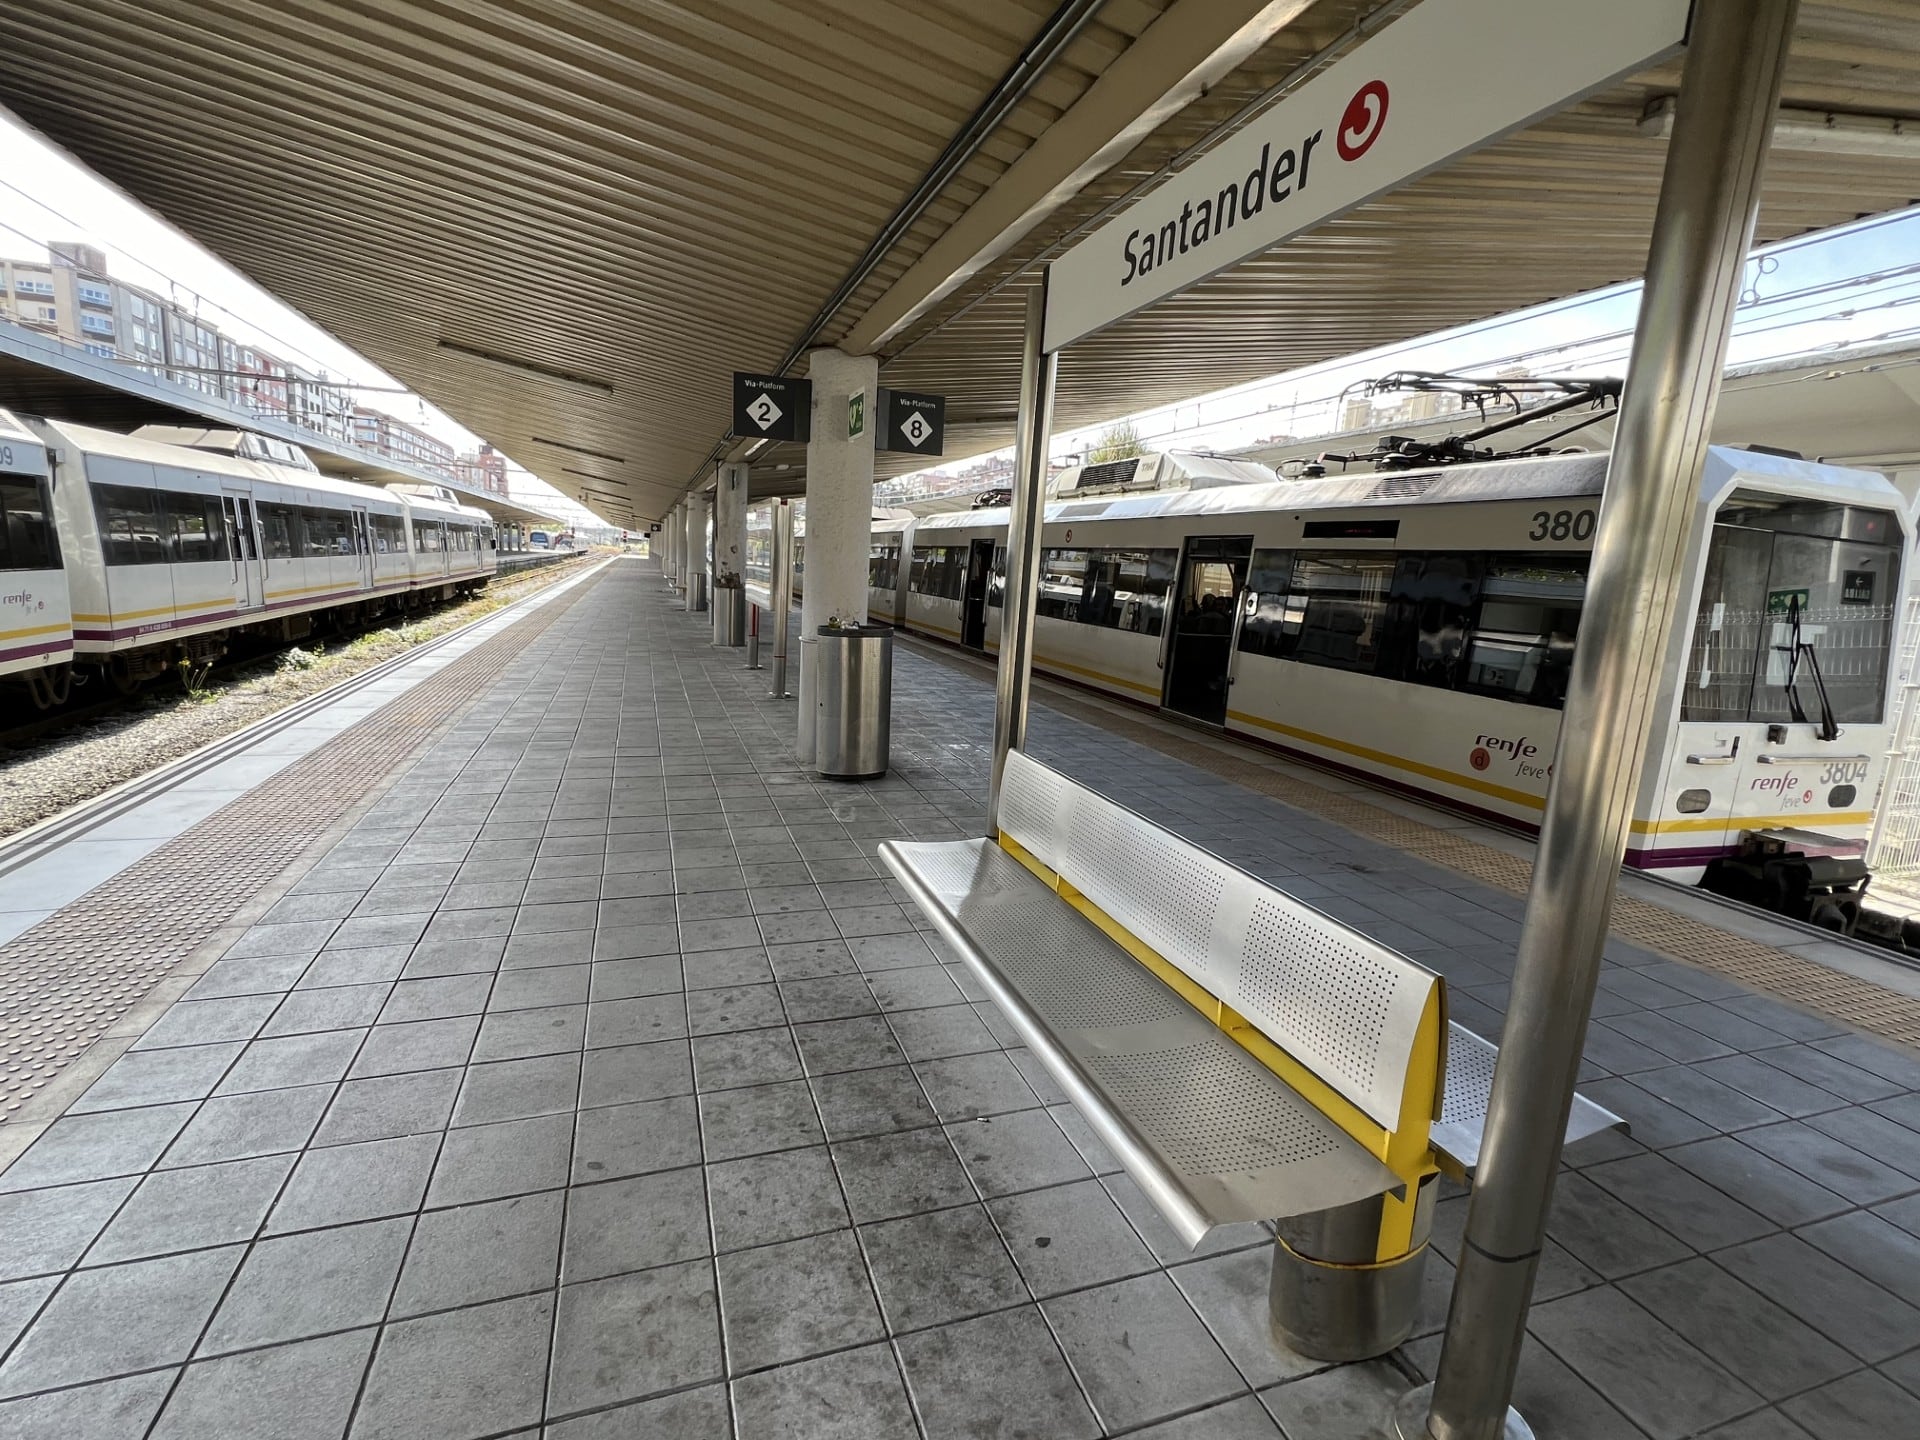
(1562, 525)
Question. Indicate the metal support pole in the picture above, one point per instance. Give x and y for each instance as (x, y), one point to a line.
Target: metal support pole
(1013, 680)
(781, 577)
(1709, 196)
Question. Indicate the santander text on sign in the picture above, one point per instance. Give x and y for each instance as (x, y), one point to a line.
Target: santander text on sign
(1448, 76)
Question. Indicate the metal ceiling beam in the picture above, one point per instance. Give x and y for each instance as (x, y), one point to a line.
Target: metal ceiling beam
(1186, 52)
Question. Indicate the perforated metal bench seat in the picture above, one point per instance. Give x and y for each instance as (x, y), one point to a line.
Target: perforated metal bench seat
(1244, 1055)
(1210, 1133)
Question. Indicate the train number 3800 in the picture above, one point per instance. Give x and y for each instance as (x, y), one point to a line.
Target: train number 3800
(1562, 525)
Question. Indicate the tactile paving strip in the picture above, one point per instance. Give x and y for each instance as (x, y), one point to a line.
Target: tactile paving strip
(68, 980)
(1787, 976)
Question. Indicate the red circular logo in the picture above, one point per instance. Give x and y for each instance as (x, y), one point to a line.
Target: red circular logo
(1365, 118)
(1480, 759)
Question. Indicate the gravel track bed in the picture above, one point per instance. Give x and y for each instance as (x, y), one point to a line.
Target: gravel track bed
(58, 770)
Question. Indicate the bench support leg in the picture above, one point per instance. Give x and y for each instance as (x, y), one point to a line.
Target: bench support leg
(1333, 1295)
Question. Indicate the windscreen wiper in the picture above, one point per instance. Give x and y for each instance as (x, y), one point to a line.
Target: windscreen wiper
(1795, 648)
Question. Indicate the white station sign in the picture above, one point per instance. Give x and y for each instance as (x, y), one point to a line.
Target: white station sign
(1445, 78)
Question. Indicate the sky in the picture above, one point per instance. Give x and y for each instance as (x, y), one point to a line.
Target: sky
(1854, 285)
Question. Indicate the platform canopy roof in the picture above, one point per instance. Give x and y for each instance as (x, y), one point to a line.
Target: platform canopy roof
(566, 222)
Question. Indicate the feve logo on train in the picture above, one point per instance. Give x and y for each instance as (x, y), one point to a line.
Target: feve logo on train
(1522, 752)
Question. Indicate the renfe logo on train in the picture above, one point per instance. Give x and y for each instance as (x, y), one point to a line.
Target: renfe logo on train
(1442, 79)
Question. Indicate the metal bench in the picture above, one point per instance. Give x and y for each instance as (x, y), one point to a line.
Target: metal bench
(1244, 1056)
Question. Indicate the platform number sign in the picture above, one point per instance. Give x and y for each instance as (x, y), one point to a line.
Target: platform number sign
(1856, 587)
(771, 407)
(912, 424)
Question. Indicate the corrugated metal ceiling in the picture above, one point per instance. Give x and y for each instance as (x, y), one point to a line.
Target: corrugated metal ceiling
(570, 220)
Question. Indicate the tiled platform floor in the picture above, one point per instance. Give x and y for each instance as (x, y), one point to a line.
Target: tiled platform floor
(596, 1081)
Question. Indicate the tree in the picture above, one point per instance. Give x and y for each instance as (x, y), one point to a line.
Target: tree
(1119, 441)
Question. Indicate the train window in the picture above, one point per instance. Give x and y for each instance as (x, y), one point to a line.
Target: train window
(132, 529)
(1270, 623)
(1521, 644)
(199, 527)
(1424, 635)
(325, 532)
(1063, 584)
(28, 542)
(280, 525)
(883, 567)
(1692, 802)
(939, 571)
(1792, 625)
(1127, 589)
(997, 579)
(389, 534)
(1335, 608)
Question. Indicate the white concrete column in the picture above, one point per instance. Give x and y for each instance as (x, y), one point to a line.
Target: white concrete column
(839, 515)
(670, 533)
(729, 549)
(696, 563)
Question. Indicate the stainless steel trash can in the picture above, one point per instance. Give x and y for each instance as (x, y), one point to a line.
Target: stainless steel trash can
(853, 701)
(729, 615)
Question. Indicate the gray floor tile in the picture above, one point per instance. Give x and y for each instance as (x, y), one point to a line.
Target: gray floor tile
(286, 1061)
(735, 966)
(1350, 1402)
(1874, 1247)
(1242, 1419)
(1863, 1406)
(767, 1198)
(860, 1042)
(751, 1057)
(462, 1373)
(518, 1034)
(871, 1102)
(206, 1022)
(886, 1176)
(303, 1391)
(701, 1414)
(110, 1410)
(1679, 1202)
(417, 1045)
(1000, 1374)
(192, 1209)
(307, 1284)
(633, 1224)
(48, 1230)
(855, 1395)
(795, 1299)
(1105, 1330)
(1838, 1302)
(1660, 1381)
(386, 1106)
(1069, 1237)
(157, 1077)
(338, 1007)
(1784, 1196)
(1605, 1233)
(633, 1336)
(518, 1238)
(511, 1157)
(1230, 1293)
(20, 1301)
(636, 1072)
(1757, 1341)
(962, 1087)
(234, 1127)
(119, 1319)
(939, 1267)
(518, 1089)
(637, 1021)
(1023, 1150)
(1829, 1162)
(628, 979)
(344, 1183)
(757, 1120)
(635, 1139)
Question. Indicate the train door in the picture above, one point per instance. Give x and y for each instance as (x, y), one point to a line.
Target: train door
(973, 618)
(1206, 606)
(363, 547)
(243, 548)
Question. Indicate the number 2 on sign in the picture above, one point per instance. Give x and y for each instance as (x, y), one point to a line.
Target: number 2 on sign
(1562, 525)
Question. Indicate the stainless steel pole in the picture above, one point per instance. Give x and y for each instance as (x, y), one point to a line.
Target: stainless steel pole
(780, 578)
(1709, 196)
(1014, 678)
